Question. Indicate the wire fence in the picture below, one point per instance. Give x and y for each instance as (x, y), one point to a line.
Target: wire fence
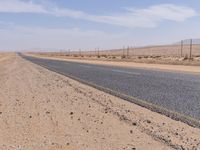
(186, 48)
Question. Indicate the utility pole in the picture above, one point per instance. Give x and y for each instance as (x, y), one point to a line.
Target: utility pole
(191, 49)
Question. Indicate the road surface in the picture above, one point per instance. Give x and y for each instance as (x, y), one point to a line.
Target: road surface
(179, 92)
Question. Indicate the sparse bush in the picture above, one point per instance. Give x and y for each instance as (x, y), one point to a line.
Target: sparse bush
(186, 57)
(104, 56)
(156, 56)
(123, 57)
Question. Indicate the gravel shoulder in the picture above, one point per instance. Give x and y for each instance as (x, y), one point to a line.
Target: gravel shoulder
(162, 67)
(40, 109)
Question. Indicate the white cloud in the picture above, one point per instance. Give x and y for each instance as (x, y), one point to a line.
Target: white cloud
(131, 18)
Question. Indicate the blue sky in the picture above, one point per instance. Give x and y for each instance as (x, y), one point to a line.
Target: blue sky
(87, 24)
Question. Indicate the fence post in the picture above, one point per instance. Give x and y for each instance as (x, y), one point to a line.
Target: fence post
(181, 48)
(127, 55)
(98, 52)
(123, 52)
(80, 52)
(191, 49)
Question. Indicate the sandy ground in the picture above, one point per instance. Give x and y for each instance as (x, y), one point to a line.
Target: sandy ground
(42, 110)
(163, 67)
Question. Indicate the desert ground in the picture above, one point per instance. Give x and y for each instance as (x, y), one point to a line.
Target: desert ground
(164, 54)
(40, 109)
(158, 50)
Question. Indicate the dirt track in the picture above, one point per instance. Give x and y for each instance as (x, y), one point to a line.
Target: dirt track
(40, 109)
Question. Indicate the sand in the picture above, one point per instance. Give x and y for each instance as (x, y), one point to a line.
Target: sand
(42, 110)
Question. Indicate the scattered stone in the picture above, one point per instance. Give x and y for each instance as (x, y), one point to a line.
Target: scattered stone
(134, 123)
(0, 113)
(47, 112)
(30, 116)
(148, 121)
(131, 131)
(71, 113)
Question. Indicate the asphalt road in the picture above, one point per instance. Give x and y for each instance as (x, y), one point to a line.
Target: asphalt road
(179, 92)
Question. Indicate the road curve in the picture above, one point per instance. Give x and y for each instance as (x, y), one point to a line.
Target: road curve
(177, 92)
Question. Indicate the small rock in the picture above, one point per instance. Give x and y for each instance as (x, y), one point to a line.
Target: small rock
(0, 113)
(71, 113)
(148, 121)
(47, 112)
(134, 123)
(131, 131)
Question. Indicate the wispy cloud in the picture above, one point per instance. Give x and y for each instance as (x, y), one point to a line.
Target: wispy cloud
(131, 17)
(19, 6)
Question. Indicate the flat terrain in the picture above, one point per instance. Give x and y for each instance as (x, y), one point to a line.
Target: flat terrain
(40, 109)
(162, 50)
(178, 92)
(164, 54)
